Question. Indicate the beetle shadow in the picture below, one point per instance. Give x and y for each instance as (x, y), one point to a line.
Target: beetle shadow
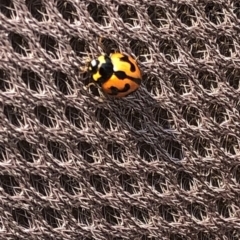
(147, 122)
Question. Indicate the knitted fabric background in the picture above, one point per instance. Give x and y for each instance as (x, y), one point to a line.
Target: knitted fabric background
(163, 163)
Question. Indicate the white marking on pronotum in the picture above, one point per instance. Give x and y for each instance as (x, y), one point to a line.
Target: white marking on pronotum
(94, 63)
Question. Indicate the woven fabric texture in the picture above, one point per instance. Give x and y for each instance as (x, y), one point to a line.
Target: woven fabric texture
(163, 163)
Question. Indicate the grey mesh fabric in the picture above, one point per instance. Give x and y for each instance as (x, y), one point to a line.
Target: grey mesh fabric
(163, 163)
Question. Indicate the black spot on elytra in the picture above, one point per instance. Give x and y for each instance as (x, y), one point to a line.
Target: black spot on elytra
(126, 59)
(115, 91)
(136, 80)
(106, 70)
(120, 74)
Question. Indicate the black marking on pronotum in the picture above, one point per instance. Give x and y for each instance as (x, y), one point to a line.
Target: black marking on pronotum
(126, 59)
(115, 91)
(122, 75)
(106, 70)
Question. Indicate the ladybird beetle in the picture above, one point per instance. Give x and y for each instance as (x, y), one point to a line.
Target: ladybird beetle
(117, 74)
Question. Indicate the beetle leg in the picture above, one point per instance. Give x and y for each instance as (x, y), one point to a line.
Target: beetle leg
(90, 84)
